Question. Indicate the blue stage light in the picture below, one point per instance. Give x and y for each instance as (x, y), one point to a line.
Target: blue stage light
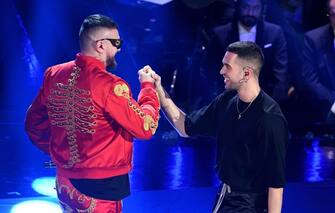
(160, 2)
(36, 206)
(314, 162)
(45, 186)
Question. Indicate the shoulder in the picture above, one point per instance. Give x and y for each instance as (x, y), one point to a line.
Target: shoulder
(217, 103)
(316, 33)
(271, 25)
(269, 104)
(274, 127)
(103, 77)
(53, 70)
(119, 86)
(225, 96)
(103, 82)
(219, 30)
(273, 29)
(271, 109)
(223, 27)
(269, 120)
(116, 80)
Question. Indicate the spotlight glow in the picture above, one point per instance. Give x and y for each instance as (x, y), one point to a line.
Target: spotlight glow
(36, 206)
(160, 2)
(45, 186)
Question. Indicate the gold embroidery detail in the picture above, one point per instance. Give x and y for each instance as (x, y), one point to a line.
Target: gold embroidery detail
(71, 108)
(122, 90)
(150, 124)
(80, 198)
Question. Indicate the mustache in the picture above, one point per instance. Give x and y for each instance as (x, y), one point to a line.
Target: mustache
(249, 17)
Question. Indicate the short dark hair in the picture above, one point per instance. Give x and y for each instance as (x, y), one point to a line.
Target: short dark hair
(96, 20)
(247, 50)
(238, 6)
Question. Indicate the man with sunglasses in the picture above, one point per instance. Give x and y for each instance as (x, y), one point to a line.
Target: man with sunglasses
(85, 118)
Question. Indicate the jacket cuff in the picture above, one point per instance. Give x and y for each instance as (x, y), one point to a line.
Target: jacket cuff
(147, 85)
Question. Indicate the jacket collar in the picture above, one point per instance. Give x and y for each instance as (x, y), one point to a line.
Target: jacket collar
(85, 60)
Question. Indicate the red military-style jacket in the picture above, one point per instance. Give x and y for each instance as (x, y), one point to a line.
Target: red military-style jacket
(86, 119)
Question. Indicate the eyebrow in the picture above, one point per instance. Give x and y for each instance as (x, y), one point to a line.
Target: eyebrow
(225, 64)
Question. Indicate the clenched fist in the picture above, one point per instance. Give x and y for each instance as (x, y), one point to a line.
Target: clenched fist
(145, 74)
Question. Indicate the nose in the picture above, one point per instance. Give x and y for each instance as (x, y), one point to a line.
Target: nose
(249, 11)
(223, 70)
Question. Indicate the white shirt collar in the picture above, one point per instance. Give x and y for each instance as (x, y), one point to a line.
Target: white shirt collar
(247, 35)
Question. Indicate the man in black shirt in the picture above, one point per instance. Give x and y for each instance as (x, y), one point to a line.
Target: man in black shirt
(251, 132)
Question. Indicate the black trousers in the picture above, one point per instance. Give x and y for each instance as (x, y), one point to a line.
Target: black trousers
(237, 202)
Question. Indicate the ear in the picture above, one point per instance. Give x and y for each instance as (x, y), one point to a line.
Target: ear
(248, 71)
(99, 46)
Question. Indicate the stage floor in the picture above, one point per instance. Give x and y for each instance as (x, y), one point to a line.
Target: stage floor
(171, 174)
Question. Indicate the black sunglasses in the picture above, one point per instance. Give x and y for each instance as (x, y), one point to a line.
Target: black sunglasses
(115, 42)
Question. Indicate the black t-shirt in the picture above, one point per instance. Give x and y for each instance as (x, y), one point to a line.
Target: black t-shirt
(250, 150)
(113, 188)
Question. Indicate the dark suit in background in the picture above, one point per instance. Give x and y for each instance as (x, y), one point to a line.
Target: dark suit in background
(270, 37)
(318, 73)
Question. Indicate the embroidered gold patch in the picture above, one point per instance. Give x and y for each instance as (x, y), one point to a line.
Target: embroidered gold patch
(149, 124)
(80, 203)
(71, 107)
(154, 127)
(121, 90)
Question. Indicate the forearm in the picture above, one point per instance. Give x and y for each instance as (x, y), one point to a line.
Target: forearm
(37, 127)
(174, 115)
(275, 199)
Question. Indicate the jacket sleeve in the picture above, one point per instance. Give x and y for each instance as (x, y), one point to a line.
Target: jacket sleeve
(140, 118)
(280, 67)
(37, 124)
(273, 133)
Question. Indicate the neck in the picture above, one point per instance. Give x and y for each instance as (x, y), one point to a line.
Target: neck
(249, 92)
(94, 55)
(246, 27)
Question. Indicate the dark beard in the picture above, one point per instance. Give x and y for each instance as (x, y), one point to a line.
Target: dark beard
(248, 21)
(111, 63)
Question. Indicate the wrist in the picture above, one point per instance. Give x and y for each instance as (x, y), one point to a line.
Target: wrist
(147, 84)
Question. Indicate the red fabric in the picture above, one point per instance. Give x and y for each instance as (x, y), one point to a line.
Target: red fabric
(86, 119)
(71, 200)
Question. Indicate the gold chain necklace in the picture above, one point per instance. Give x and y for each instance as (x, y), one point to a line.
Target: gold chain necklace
(241, 113)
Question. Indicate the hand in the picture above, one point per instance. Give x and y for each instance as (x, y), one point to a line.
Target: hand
(333, 108)
(162, 94)
(145, 74)
(158, 82)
